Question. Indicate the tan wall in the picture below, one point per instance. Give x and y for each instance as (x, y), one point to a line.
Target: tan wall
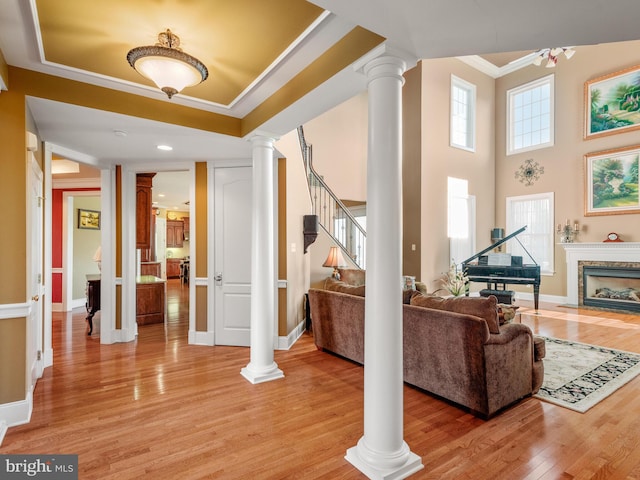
(339, 139)
(440, 161)
(291, 245)
(564, 162)
(411, 172)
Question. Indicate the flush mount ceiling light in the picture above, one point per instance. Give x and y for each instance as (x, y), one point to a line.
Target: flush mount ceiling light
(166, 148)
(551, 55)
(166, 65)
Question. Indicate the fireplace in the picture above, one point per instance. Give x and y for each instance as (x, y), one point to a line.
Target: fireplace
(609, 254)
(610, 285)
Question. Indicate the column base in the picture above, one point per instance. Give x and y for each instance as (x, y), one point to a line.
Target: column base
(260, 375)
(412, 464)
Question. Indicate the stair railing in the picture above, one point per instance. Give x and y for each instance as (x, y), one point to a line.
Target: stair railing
(333, 216)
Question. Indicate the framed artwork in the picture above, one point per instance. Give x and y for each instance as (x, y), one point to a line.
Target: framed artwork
(89, 219)
(612, 103)
(611, 181)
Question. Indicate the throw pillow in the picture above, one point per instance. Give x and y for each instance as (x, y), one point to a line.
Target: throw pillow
(483, 307)
(342, 287)
(352, 276)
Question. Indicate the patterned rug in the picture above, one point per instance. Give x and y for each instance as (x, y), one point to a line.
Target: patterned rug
(577, 375)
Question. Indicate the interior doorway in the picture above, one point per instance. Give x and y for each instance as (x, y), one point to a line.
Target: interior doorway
(167, 260)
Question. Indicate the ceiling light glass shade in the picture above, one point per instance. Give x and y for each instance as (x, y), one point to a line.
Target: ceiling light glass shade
(569, 53)
(538, 60)
(552, 62)
(166, 65)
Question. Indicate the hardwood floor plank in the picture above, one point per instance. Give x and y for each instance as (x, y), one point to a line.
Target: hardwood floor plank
(160, 408)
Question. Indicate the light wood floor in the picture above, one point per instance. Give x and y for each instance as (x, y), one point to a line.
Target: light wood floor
(158, 408)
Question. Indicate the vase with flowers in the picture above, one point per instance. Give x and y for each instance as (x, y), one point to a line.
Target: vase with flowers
(455, 281)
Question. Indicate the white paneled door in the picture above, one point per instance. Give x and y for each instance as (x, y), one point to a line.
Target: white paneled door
(233, 187)
(35, 362)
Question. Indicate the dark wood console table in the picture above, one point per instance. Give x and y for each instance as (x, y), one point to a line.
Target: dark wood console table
(93, 298)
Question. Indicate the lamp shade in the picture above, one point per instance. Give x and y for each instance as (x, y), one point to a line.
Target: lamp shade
(166, 65)
(335, 258)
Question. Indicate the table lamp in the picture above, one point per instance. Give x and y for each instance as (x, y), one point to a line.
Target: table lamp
(335, 260)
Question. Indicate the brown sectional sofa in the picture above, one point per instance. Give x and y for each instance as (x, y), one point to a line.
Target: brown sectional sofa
(453, 348)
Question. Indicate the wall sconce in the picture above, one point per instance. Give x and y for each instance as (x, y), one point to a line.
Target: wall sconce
(567, 232)
(335, 260)
(309, 230)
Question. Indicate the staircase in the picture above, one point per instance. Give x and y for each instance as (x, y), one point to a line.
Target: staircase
(333, 216)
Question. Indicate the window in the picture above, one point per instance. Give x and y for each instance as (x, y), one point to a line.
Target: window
(461, 213)
(536, 213)
(530, 116)
(463, 114)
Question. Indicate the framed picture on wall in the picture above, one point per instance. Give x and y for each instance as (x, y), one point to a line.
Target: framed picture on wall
(89, 219)
(611, 181)
(612, 103)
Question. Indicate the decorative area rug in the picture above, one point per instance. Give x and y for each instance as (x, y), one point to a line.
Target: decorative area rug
(577, 375)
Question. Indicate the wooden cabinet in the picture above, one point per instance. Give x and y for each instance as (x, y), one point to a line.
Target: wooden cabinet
(186, 228)
(150, 268)
(144, 183)
(150, 300)
(173, 268)
(175, 233)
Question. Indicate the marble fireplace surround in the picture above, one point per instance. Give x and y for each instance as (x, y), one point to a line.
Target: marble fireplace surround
(595, 252)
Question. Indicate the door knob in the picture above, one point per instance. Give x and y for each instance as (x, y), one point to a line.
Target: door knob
(35, 298)
(218, 278)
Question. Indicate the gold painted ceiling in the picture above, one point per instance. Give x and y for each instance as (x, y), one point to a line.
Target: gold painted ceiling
(237, 40)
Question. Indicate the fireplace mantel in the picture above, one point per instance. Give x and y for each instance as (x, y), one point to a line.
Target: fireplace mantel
(595, 251)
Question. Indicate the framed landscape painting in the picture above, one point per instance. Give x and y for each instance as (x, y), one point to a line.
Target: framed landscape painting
(611, 182)
(612, 103)
(88, 219)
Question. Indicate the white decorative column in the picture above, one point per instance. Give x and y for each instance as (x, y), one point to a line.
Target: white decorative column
(262, 367)
(382, 453)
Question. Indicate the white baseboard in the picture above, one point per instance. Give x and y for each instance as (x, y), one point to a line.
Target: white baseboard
(285, 343)
(16, 413)
(201, 338)
(3, 430)
(78, 302)
(543, 298)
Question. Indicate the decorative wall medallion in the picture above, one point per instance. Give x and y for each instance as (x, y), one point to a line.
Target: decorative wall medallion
(529, 172)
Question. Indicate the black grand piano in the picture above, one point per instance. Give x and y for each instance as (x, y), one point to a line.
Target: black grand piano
(495, 273)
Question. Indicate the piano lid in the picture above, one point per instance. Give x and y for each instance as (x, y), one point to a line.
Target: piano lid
(498, 243)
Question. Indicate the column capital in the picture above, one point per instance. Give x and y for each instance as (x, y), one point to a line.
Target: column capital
(263, 138)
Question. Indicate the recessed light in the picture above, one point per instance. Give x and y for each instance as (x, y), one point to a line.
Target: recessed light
(166, 148)
(161, 195)
(120, 133)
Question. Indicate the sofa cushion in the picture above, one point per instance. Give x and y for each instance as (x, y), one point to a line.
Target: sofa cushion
(483, 307)
(352, 276)
(342, 287)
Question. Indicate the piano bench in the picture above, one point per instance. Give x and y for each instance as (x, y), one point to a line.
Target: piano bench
(503, 296)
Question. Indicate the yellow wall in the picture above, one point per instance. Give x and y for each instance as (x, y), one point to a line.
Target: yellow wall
(13, 284)
(201, 245)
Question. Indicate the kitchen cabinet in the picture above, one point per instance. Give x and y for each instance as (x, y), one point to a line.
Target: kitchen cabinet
(144, 183)
(150, 299)
(173, 267)
(175, 233)
(186, 228)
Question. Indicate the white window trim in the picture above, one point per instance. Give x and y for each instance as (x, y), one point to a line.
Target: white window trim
(512, 228)
(471, 110)
(550, 79)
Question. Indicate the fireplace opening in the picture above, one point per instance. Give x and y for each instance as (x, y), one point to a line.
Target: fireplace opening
(610, 287)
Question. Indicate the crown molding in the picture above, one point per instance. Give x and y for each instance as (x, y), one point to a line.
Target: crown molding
(67, 183)
(493, 71)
